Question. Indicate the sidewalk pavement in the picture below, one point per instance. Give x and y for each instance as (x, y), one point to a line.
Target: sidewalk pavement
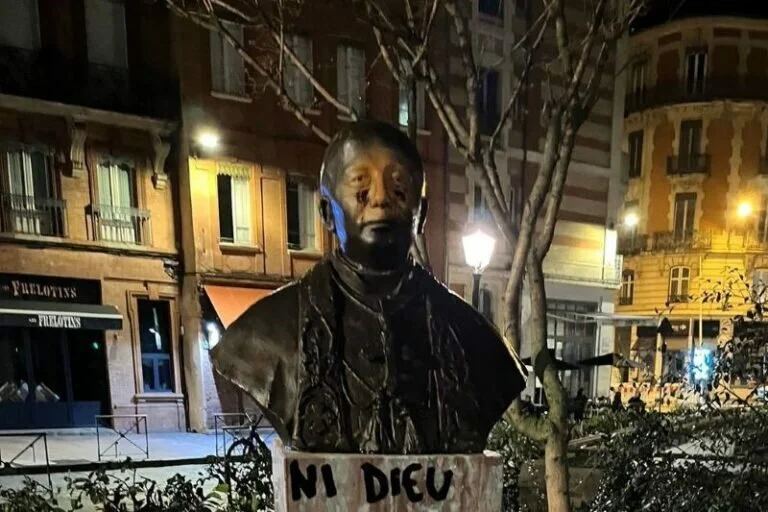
(66, 448)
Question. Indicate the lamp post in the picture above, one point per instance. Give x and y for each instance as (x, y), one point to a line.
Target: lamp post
(478, 249)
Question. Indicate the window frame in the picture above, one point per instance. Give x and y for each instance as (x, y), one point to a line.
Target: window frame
(23, 210)
(636, 141)
(123, 58)
(173, 343)
(488, 124)
(217, 42)
(126, 226)
(293, 78)
(759, 280)
(403, 100)
(308, 194)
(689, 214)
(34, 37)
(627, 288)
(343, 75)
(761, 220)
(696, 84)
(639, 79)
(238, 184)
(486, 304)
(677, 283)
(481, 214)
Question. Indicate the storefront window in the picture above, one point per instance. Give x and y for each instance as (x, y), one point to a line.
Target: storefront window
(155, 337)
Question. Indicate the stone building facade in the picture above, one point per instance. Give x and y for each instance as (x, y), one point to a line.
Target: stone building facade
(89, 301)
(695, 132)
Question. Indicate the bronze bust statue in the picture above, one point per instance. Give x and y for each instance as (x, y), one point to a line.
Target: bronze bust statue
(368, 352)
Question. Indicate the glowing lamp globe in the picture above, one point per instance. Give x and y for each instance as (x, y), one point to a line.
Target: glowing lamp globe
(478, 249)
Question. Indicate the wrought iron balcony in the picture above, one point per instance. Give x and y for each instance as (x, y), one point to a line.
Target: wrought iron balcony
(625, 301)
(632, 243)
(681, 240)
(678, 299)
(688, 164)
(47, 75)
(675, 92)
(32, 215)
(120, 225)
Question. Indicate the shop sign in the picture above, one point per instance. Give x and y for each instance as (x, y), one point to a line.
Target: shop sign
(59, 321)
(49, 289)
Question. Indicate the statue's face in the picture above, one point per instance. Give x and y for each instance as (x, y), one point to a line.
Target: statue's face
(374, 205)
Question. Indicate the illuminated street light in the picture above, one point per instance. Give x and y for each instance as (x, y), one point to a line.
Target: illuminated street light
(478, 250)
(745, 210)
(208, 140)
(631, 220)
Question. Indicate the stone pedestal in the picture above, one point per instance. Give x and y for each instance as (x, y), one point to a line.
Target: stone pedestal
(317, 482)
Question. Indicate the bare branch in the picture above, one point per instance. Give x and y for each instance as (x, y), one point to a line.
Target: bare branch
(461, 25)
(561, 30)
(214, 24)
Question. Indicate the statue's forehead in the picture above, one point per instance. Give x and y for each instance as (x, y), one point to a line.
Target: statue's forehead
(353, 150)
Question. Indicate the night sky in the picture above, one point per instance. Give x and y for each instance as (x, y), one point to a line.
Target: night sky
(661, 11)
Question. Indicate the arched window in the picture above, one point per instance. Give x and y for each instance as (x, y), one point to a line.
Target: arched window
(679, 279)
(627, 292)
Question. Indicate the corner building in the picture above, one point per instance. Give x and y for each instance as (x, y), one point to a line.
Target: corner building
(695, 135)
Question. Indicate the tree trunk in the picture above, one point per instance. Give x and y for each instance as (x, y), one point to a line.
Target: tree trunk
(555, 458)
(556, 471)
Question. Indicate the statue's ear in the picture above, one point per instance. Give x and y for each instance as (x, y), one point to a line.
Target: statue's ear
(326, 214)
(423, 209)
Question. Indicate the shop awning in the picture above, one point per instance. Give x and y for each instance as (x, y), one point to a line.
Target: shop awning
(230, 301)
(59, 315)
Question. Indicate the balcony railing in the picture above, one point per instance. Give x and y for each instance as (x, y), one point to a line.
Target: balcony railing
(688, 164)
(625, 301)
(120, 225)
(607, 274)
(630, 244)
(670, 93)
(46, 75)
(32, 215)
(681, 240)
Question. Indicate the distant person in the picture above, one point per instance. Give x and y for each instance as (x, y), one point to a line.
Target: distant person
(579, 405)
(635, 403)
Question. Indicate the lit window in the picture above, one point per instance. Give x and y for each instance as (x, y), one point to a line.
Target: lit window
(29, 205)
(405, 97)
(119, 220)
(155, 339)
(679, 279)
(234, 207)
(301, 203)
(627, 287)
(696, 71)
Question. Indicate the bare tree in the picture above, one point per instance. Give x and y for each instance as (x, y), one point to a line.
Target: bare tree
(559, 52)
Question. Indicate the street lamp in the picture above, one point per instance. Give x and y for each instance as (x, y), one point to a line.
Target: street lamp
(745, 210)
(631, 220)
(478, 249)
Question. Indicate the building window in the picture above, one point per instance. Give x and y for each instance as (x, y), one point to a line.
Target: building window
(637, 82)
(627, 288)
(573, 336)
(761, 226)
(685, 214)
(679, 278)
(155, 339)
(29, 205)
(488, 101)
(635, 154)
(485, 304)
(480, 211)
(491, 7)
(19, 27)
(759, 285)
(106, 33)
(117, 215)
(234, 208)
(297, 85)
(690, 144)
(301, 203)
(227, 66)
(696, 71)
(350, 77)
(404, 115)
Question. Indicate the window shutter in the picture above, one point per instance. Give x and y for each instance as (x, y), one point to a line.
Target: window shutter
(105, 192)
(15, 173)
(19, 24)
(217, 62)
(233, 62)
(342, 78)
(106, 33)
